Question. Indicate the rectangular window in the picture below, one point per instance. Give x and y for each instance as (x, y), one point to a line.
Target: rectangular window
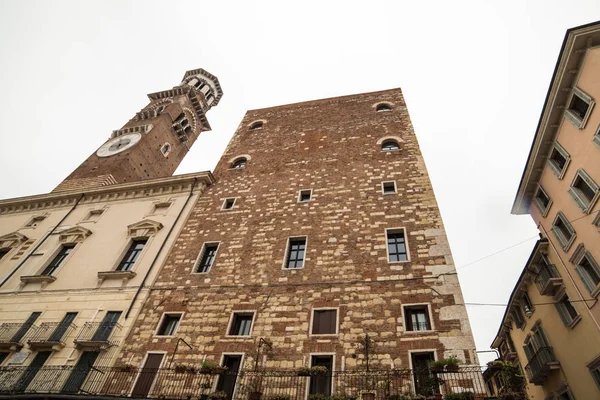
(168, 325)
(564, 394)
(295, 253)
(35, 221)
(207, 258)
(228, 204)
(132, 254)
(542, 201)
(526, 304)
(3, 252)
(388, 187)
(580, 108)
(304, 195)
(594, 368)
(241, 324)
(559, 160)
(517, 316)
(584, 190)
(567, 312)
(324, 322)
(416, 318)
(57, 261)
(563, 231)
(396, 245)
(93, 216)
(588, 270)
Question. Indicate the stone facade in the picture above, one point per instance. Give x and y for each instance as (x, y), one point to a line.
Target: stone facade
(334, 148)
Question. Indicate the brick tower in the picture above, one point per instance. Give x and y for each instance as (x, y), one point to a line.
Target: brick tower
(322, 228)
(153, 143)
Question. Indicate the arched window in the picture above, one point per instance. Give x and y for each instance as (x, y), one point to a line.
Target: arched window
(390, 145)
(383, 107)
(239, 163)
(256, 125)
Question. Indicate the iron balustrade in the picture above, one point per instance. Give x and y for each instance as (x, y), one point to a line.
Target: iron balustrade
(13, 333)
(546, 278)
(49, 334)
(540, 365)
(273, 385)
(97, 333)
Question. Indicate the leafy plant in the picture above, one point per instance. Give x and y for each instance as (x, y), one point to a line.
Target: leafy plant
(279, 397)
(452, 360)
(460, 396)
(220, 395)
(318, 396)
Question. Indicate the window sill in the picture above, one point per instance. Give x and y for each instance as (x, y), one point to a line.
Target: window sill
(116, 274)
(596, 291)
(238, 336)
(574, 322)
(292, 269)
(324, 335)
(38, 278)
(398, 262)
(415, 332)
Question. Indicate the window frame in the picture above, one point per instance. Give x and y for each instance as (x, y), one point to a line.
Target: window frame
(230, 325)
(594, 366)
(583, 274)
(383, 107)
(406, 246)
(560, 173)
(166, 152)
(524, 298)
(563, 241)
(516, 310)
(383, 149)
(256, 125)
(238, 160)
(130, 243)
(564, 314)
(543, 210)
(201, 255)
(223, 208)
(34, 221)
(428, 313)
(383, 192)
(287, 253)
(162, 319)
(337, 321)
(54, 255)
(576, 120)
(299, 199)
(596, 138)
(584, 204)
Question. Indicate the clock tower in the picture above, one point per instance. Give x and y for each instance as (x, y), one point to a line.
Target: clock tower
(153, 143)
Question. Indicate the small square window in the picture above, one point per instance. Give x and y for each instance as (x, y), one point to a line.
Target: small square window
(207, 257)
(580, 108)
(228, 204)
(161, 208)
(304, 195)
(388, 187)
(416, 318)
(93, 215)
(559, 160)
(35, 221)
(584, 191)
(241, 324)
(295, 253)
(168, 325)
(396, 245)
(563, 231)
(324, 322)
(542, 201)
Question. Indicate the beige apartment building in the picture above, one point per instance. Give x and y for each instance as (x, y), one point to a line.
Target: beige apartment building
(552, 325)
(76, 263)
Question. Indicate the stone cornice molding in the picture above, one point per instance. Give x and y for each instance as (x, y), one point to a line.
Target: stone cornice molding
(133, 129)
(574, 49)
(124, 191)
(210, 79)
(11, 240)
(75, 234)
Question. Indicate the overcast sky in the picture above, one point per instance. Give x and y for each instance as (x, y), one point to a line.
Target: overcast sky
(474, 74)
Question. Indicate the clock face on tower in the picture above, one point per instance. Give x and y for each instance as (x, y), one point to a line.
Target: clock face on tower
(118, 144)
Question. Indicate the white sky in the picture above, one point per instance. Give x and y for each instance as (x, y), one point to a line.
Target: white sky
(474, 74)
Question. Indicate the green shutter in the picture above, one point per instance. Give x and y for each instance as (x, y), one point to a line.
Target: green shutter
(580, 202)
(563, 314)
(584, 278)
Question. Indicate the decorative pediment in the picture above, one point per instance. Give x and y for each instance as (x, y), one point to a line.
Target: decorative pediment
(75, 234)
(144, 228)
(12, 240)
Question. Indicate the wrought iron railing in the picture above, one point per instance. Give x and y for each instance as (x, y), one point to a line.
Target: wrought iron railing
(50, 333)
(542, 362)
(272, 385)
(98, 333)
(13, 333)
(546, 277)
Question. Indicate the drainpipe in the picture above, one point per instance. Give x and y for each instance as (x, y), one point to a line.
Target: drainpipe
(161, 248)
(37, 246)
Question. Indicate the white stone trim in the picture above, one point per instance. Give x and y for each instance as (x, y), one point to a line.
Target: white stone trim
(387, 250)
(230, 323)
(287, 249)
(161, 320)
(201, 254)
(390, 193)
(429, 313)
(300, 195)
(337, 322)
(225, 201)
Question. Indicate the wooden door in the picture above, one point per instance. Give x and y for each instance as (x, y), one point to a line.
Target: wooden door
(321, 383)
(227, 380)
(147, 375)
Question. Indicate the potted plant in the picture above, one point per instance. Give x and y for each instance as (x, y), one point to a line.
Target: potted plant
(126, 367)
(452, 364)
(220, 395)
(303, 371)
(182, 368)
(204, 385)
(211, 367)
(318, 370)
(437, 366)
(495, 365)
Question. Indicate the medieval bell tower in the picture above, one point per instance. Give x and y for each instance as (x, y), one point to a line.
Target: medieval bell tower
(153, 143)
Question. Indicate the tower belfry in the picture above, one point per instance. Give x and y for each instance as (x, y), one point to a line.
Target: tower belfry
(154, 142)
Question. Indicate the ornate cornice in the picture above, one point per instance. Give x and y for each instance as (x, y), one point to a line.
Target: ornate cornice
(131, 190)
(75, 234)
(144, 228)
(11, 240)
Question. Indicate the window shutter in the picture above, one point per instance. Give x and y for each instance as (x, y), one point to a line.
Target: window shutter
(587, 179)
(528, 352)
(559, 236)
(584, 278)
(580, 202)
(553, 167)
(563, 314)
(573, 118)
(316, 322)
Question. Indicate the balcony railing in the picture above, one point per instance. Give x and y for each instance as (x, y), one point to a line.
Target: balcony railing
(541, 365)
(548, 279)
(12, 334)
(97, 335)
(50, 335)
(273, 385)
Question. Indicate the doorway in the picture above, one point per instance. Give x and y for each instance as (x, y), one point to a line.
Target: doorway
(321, 384)
(147, 375)
(425, 381)
(227, 380)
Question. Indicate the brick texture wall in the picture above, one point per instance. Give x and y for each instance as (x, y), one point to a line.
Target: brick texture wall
(329, 146)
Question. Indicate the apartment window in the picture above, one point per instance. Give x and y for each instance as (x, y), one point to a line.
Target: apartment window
(396, 245)
(416, 318)
(383, 107)
(57, 261)
(390, 145)
(207, 258)
(168, 325)
(567, 311)
(132, 254)
(256, 125)
(563, 231)
(534, 342)
(579, 108)
(35, 221)
(596, 138)
(517, 316)
(295, 253)
(182, 126)
(228, 204)
(93, 216)
(559, 160)
(526, 304)
(588, 270)
(388, 187)
(3, 252)
(594, 368)
(542, 201)
(241, 324)
(239, 163)
(564, 394)
(324, 322)
(584, 190)
(304, 195)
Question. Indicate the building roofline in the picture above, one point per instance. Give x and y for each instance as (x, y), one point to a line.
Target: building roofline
(569, 56)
